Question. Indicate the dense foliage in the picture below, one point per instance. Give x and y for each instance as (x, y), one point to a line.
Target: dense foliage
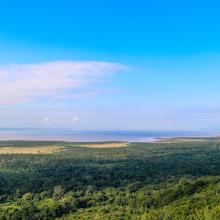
(141, 181)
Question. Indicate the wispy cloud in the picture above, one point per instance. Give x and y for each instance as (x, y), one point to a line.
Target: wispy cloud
(22, 83)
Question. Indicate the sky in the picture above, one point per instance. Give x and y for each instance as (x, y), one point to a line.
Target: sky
(110, 65)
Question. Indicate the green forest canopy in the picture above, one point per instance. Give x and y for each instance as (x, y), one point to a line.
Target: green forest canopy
(139, 181)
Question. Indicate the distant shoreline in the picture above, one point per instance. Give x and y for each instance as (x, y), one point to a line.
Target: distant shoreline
(70, 135)
(151, 140)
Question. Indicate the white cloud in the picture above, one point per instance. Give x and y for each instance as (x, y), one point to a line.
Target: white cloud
(22, 83)
(75, 119)
(46, 119)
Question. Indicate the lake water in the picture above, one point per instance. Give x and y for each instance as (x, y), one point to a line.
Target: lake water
(74, 135)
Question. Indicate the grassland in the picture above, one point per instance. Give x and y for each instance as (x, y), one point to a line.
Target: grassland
(105, 145)
(43, 148)
(29, 150)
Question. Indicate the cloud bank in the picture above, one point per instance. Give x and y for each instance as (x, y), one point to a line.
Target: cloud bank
(23, 83)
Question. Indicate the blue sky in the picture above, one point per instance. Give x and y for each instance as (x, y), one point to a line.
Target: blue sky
(136, 65)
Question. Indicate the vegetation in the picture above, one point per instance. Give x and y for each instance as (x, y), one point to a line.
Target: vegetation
(146, 181)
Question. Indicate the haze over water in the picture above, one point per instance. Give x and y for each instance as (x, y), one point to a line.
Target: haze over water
(79, 135)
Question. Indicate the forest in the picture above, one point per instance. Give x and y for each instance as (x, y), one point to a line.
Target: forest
(146, 181)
